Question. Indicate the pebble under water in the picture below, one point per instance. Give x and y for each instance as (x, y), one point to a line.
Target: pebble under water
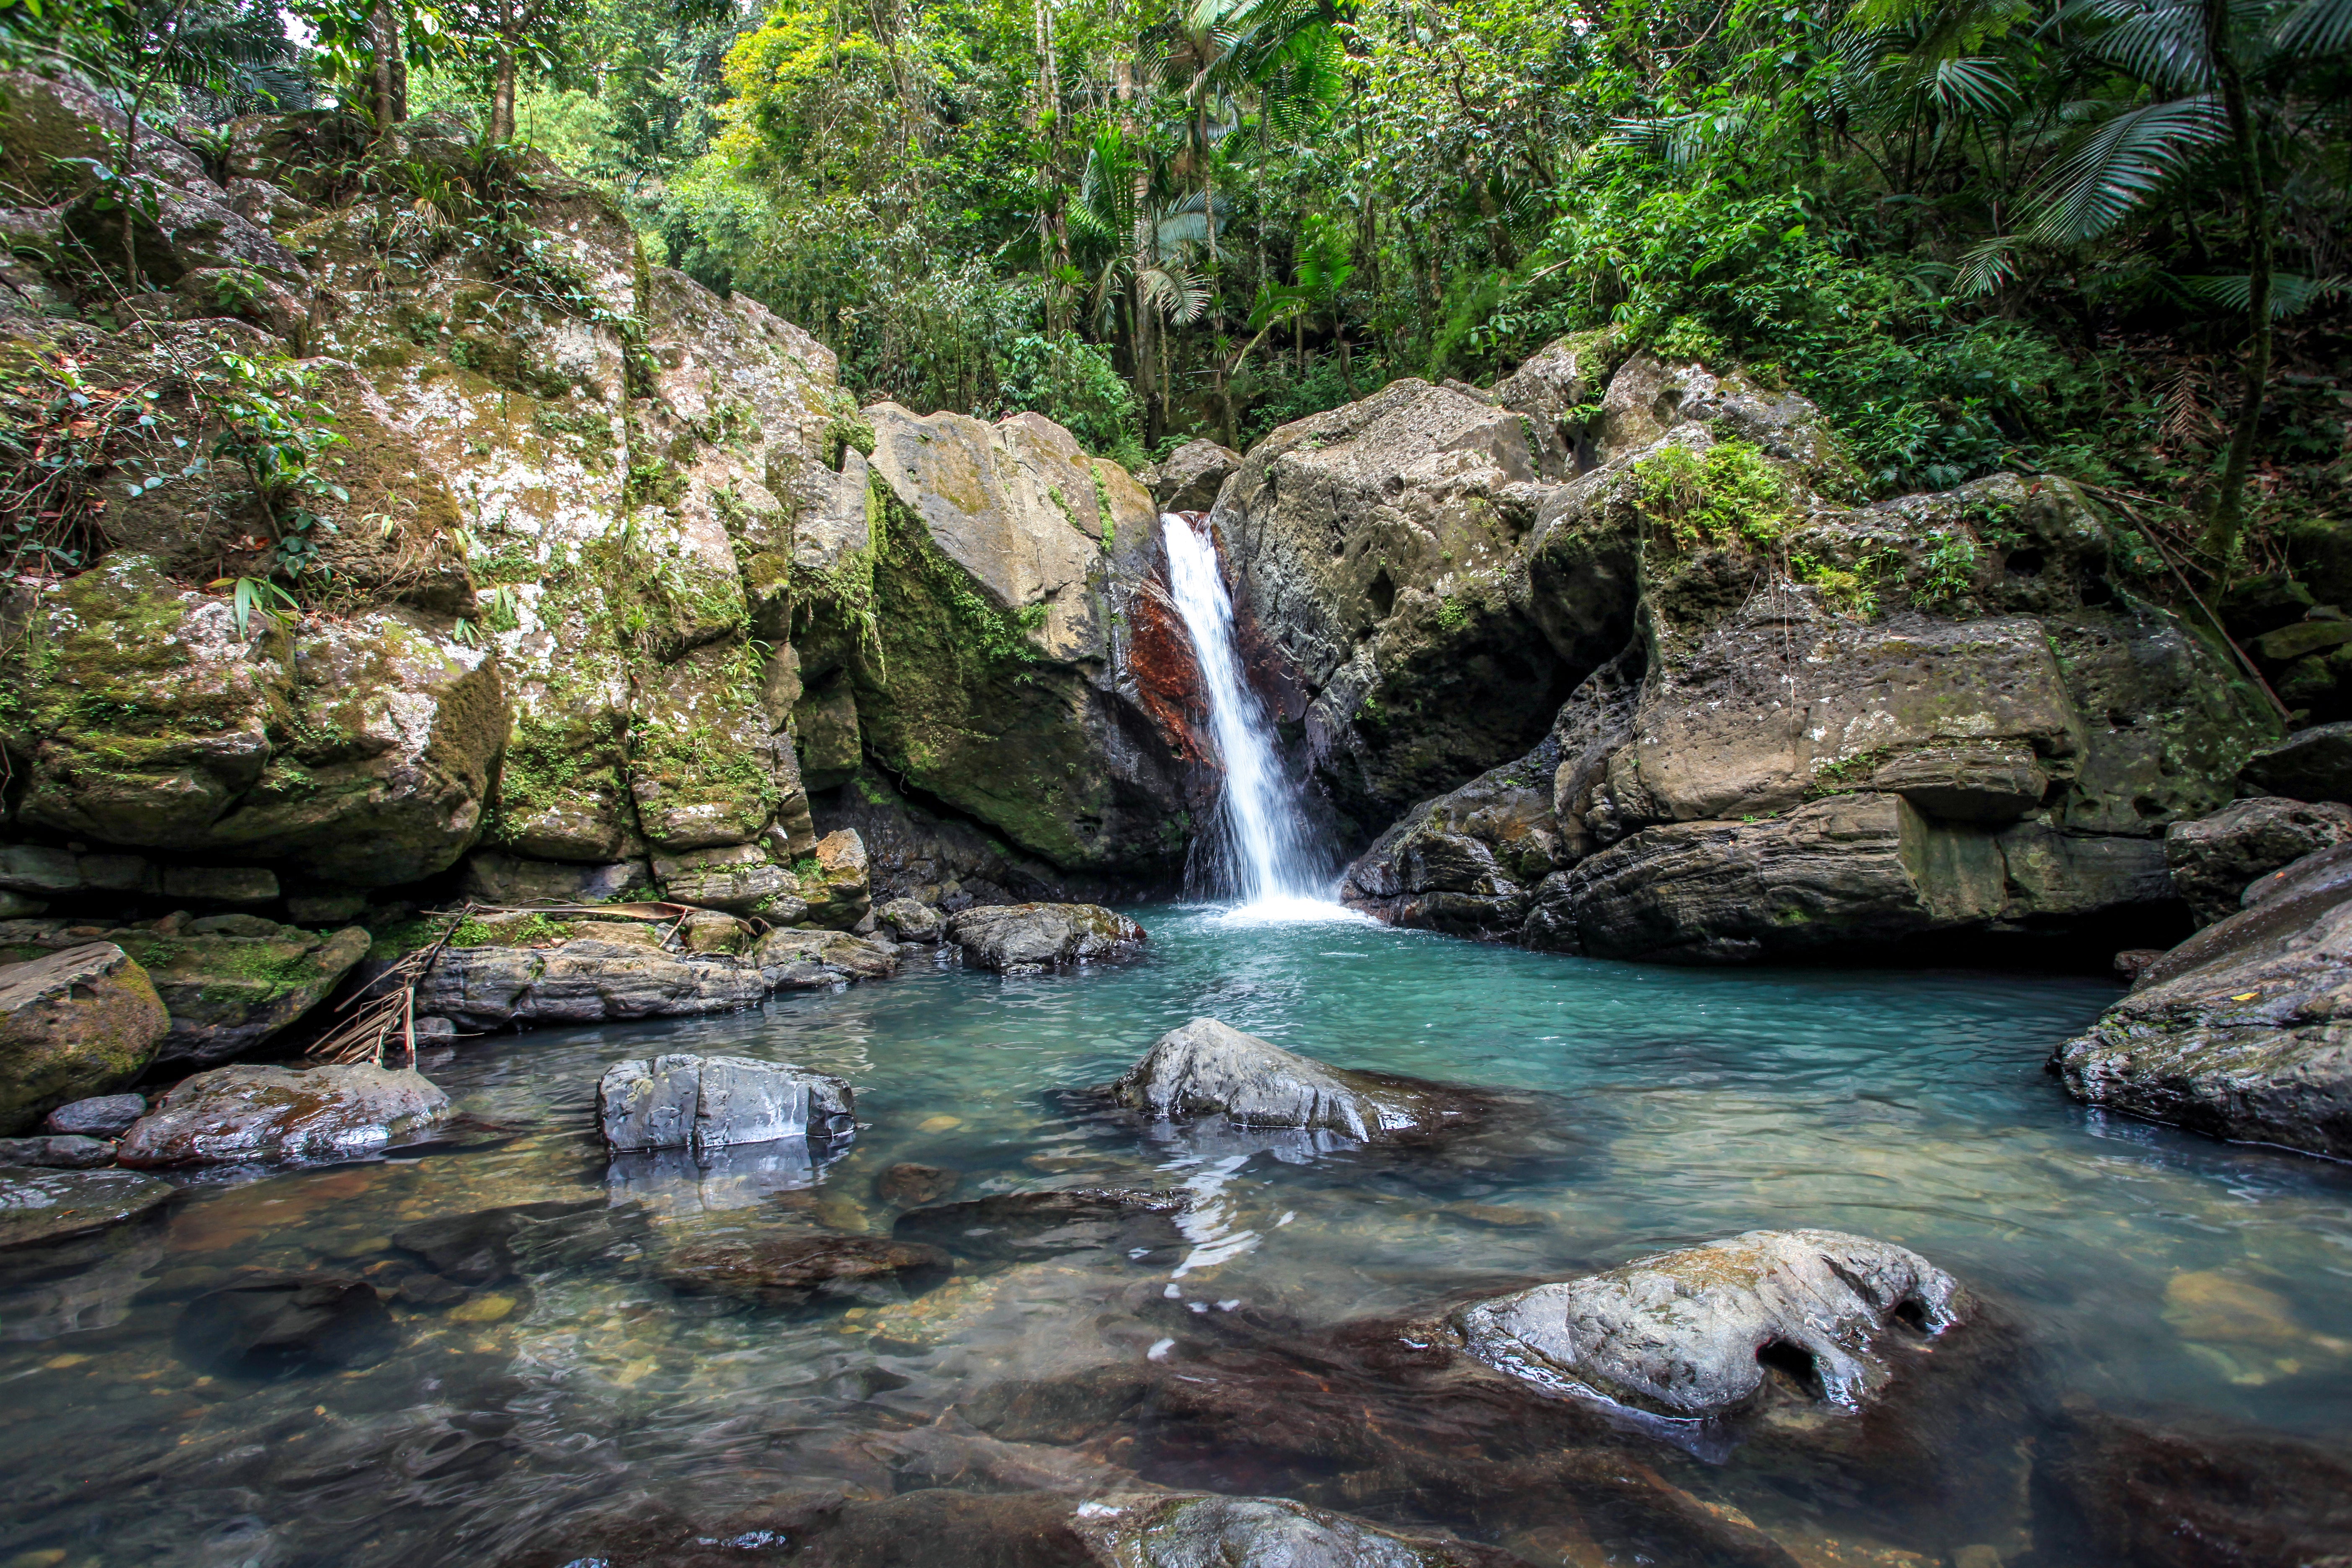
(568, 1403)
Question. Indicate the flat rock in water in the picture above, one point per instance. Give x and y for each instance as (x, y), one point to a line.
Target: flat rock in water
(1061, 1219)
(1207, 1068)
(1014, 937)
(245, 1113)
(2112, 1490)
(785, 1270)
(2243, 1031)
(907, 1184)
(1691, 1334)
(1157, 1530)
(42, 1205)
(710, 1102)
(484, 1247)
(263, 1328)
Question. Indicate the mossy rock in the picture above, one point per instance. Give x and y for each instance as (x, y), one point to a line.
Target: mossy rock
(76, 1022)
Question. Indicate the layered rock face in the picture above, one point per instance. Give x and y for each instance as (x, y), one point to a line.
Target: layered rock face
(1796, 724)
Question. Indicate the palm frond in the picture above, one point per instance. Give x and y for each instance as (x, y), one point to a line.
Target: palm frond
(2120, 166)
(1988, 263)
(2316, 27)
(2290, 293)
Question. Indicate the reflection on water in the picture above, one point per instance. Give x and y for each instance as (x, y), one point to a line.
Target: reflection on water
(543, 1374)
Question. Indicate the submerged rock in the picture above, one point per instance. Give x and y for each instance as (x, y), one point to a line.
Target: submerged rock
(1011, 938)
(1692, 1333)
(1158, 1530)
(906, 1184)
(489, 1246)
(1208, 1067)
(233, 1114)
(72, 1022)
(1065, 1220)
(709, 1102)
(267, 1327)
(43, 1204)
(789, 1269)
(2136, 1494)
(2215, 858)
(2243, 1031)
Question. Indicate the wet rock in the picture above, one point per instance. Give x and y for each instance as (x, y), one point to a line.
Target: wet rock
(2214, 859)
(909, 1185)
(2241, 1031)
(59, 1151)
(1208, 1068)
(71, 1023)
(680, 1183)
(236, 1114)
(838, 887)
(710, 1102)
(1466, 862)
(585, 980)
(911, 921)
(1011, 939)
(270, 1328)
(486, 1246)
(1692, 1333)
(1065, 1220)
(105, 1116)
(1206, 1531)
(788, 1270)
(2118, 1491)
(1189, 478)
(44, 1204)
(2314, 765)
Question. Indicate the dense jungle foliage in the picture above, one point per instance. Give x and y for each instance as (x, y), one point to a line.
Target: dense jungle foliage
(2100, 237)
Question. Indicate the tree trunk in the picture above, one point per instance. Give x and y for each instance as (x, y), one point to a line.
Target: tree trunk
(2228, 515)
(502, 82)
(386, 66)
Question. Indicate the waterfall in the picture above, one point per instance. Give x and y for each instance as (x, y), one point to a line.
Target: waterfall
(1267, 855)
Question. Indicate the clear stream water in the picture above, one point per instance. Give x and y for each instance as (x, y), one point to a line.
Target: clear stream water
(2143, 1269)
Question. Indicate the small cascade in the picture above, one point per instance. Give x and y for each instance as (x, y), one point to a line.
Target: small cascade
(1267, 858)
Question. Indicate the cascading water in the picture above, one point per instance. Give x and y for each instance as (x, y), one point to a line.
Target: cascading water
(1267, 856)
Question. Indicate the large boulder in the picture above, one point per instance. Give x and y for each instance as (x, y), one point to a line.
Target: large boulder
(1014, 937)
(2241, 1031)
(584, 980)
(238, 1115)
(1694, 1332)
(1189, 478)
(709, 1102)
(2312, 765)
(38, 1205)
(1208, 1067)
(2214, 859)
(72, 1024)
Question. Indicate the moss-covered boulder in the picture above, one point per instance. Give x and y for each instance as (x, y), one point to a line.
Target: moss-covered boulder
(73, 1022)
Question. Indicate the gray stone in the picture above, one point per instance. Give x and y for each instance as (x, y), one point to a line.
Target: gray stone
(2214, 859)
(58, 1151)
(221, 884)
(1208, 1067)
(233, 1115)
(787, 1270)
(102, 1116)
(494, 878)
(42, 1206)
(1689, 1333)
(1189, 478)
(2245, 1031)
(587, 980)
(1161, 1529)
(738, 878)
(78, 1020)
(708, 931)
(710, 1102)
(838, 891)
(48, 871)
(2311, 765)
(325, 908)
(912, 920)
(1017, 937)
(16, 906)
(800, 959)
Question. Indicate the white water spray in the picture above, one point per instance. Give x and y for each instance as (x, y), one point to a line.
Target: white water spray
(1268, 860)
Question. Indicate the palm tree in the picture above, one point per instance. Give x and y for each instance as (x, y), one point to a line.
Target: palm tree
(1149, 241)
